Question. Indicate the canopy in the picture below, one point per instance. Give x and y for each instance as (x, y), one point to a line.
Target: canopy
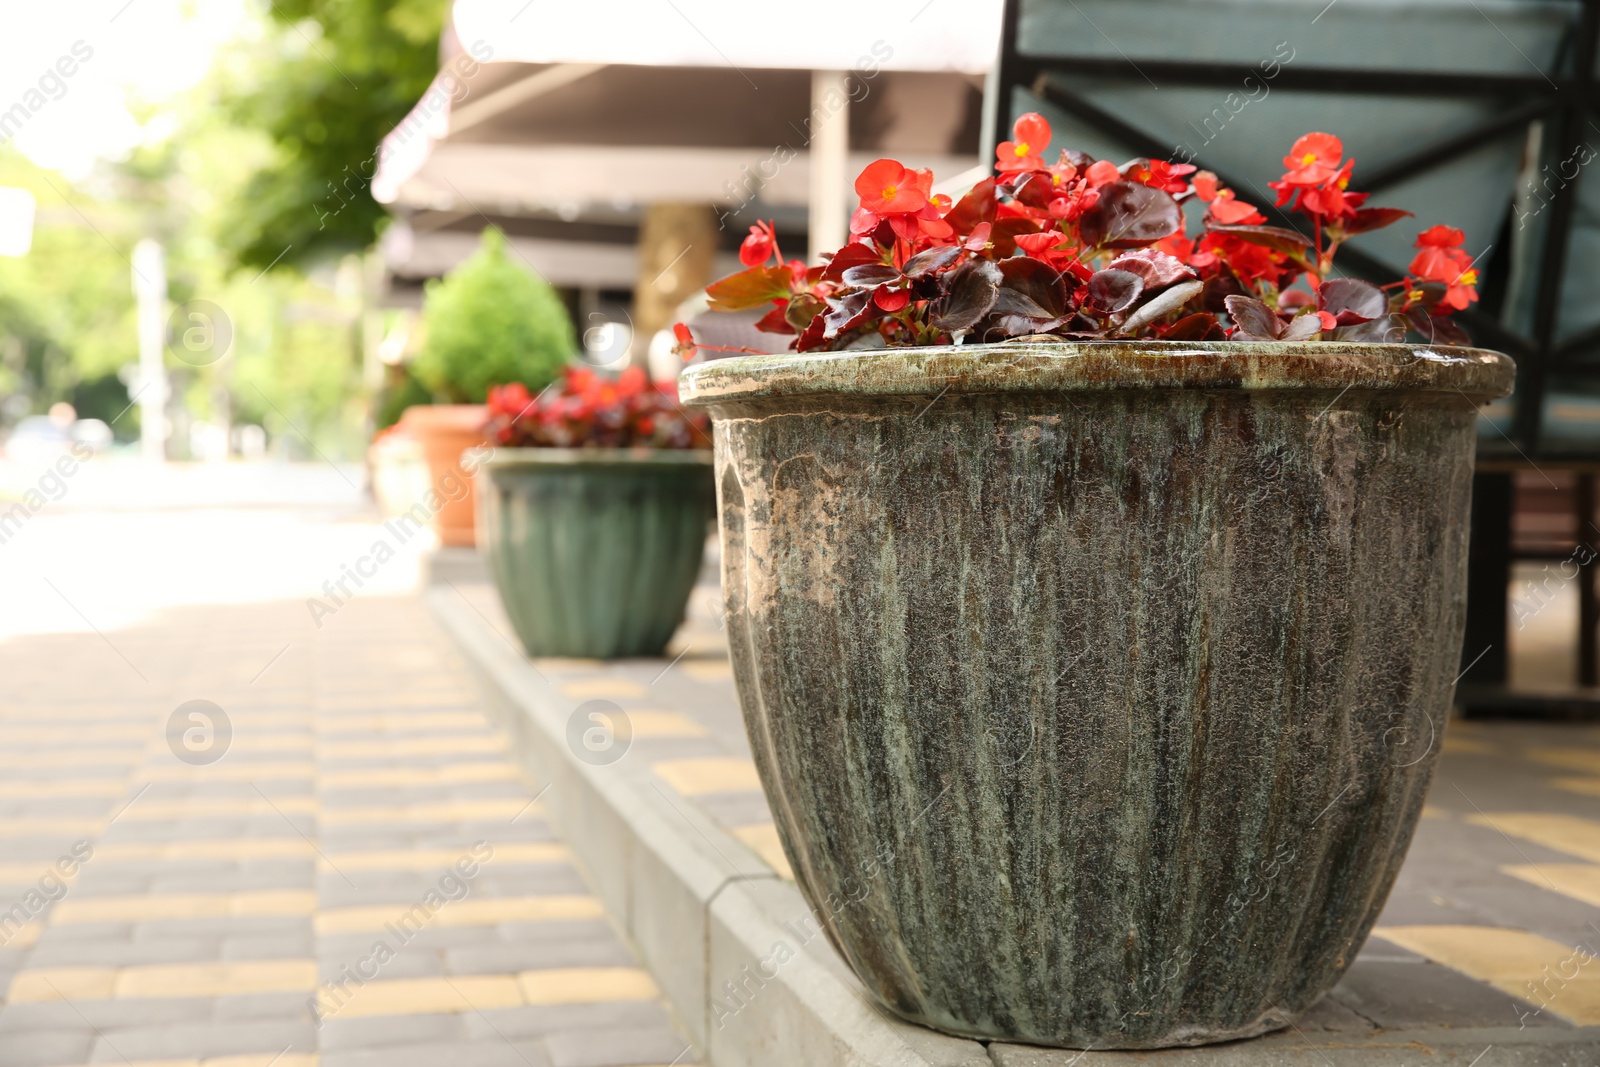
(938, 35)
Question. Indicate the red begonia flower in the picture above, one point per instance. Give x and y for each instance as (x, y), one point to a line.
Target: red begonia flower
(759, 245)
(1231, 211)
(887, 187)
(1313, 159)
(1102, 173)
(1030, 136)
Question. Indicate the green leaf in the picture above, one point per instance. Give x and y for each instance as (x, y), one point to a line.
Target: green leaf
(749, 288)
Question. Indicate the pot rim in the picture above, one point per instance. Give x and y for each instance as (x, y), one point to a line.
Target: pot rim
(637, 456)
(1478, 374)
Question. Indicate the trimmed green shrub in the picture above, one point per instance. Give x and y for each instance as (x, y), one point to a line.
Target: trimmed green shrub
(489, 322)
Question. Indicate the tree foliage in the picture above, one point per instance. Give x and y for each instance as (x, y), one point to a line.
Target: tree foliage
(339, 76)
(492, 322)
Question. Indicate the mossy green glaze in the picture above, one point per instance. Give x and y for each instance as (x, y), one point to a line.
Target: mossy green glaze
(595, 551)
(1095, 687)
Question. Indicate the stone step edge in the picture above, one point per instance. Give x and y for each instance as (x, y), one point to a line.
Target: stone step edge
(702, 910)
(730, 944)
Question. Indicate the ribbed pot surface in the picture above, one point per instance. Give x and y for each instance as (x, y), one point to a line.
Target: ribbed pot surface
(1096, 688)
(595, 551)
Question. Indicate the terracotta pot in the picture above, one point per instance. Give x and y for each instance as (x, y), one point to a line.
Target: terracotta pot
(1096, 688)
(595, 550)
(444, 431)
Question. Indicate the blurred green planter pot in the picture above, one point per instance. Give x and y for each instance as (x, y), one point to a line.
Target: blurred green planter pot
(595, 550)
(1095, 687)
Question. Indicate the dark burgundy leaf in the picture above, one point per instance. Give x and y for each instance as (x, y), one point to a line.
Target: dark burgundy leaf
(977, 206)
(1082, 160)
(934, 259)
(1044, 286)
(847, 312)
(870, 276)
(1035, 189)
(1218, 288)
(1252, 319)
(1303, 327)
(1387, 329)
(1156, 268)
(1168, 301)
(1129, 215)
(1004, 235)
(1289, 242)
(851, 255)
(1437, 329)
(972, 290)
(1111, 291)
(1351, 300)
(1374, 218)
(1201, 326)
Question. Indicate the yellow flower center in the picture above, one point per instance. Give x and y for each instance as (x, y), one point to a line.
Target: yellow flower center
(1308, 159)
(1021, 149)
(1469, 277)
(888, 192)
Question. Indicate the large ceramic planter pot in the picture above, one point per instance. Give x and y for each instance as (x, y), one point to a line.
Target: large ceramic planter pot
(444, 432)
(1095, 688)
(595, 551)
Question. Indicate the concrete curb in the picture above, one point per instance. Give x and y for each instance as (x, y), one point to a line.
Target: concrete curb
(751, 980)
(726, 939)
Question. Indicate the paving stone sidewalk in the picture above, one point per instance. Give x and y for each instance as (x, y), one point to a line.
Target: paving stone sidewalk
(346, 871)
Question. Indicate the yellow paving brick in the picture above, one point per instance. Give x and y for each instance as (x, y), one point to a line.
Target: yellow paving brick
(56, 983)
(1467, 746)
(1524, 965)
(26, 827)
(28, 874)
(430, 811)
(762, 838)
(445, 774)
(1573, 759)
(184, 906)
(718, 774)
(552, 664)
(439, 720)
(215, 979)
(66, 787)
(1564, 833)
(270, 742)
(237, 849)
(12, 736)
(436, 859)
(225, 770)
(420, 996)
(70, 757)
(410, 746)
(1581, 881)
(24, 936)
(468, 912)
(609, 688)
(708, 670)
(147, 810)
(1589, 787)
(646, 722)
(586, 985)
